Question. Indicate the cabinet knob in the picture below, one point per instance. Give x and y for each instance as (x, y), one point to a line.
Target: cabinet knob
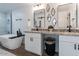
(31, 38)
(78, 46)
(75, 46)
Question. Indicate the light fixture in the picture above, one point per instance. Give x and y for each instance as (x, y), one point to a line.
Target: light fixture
(38, 6)
(29, 23)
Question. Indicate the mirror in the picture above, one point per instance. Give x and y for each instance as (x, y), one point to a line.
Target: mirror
(52, 11)
(39, 18)
(54, 22)
(47, 7)
(63, 15)
(49, 17)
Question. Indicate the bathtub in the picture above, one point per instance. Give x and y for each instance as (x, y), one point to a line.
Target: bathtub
(11, 43)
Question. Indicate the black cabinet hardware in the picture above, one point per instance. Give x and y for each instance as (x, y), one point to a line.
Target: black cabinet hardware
(78, 46)
(75, 46)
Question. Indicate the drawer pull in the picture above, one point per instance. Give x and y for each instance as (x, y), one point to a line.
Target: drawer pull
(78, 46)
(75, 46)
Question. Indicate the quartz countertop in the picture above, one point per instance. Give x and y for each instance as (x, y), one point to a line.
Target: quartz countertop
(55, 32)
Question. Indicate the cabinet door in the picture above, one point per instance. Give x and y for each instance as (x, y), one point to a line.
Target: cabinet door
(77, 50)
(33, 43)
(67, 38)
(27, 43)
(36, 46)
(67, 49)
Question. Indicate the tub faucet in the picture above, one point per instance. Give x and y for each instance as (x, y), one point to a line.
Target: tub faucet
(69, 28)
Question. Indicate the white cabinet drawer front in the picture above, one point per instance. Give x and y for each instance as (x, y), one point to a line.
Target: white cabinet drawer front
(69, 38)
(76, 39)
(66, 38)
(35, 35)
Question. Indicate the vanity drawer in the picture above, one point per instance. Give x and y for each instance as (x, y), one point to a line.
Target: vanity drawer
(69, 38)
(34, 35)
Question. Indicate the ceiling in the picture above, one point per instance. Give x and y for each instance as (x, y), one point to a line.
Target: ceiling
(5, 7)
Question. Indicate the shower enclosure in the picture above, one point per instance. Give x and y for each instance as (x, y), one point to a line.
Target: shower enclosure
(5, 22)
(9, 22)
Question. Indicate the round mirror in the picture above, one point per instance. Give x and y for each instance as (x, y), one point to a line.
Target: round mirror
(49, 17)
(54, 21)
(47, 7)
(52, 11)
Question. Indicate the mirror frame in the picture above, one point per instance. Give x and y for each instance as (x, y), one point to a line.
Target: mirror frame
(47, 7)
(52, 11)
(49, 17)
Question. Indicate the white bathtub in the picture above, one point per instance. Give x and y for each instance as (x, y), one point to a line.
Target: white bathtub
(10, 43)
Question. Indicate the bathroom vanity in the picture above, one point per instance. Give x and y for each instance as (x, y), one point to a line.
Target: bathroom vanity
(67, 43)
(65, 17)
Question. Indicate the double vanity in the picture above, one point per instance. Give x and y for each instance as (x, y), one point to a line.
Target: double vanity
(67, 43)
(64, 19)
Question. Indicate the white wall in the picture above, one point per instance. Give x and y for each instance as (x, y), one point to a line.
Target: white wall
(28, 14)
(23, 14)
(16, 24)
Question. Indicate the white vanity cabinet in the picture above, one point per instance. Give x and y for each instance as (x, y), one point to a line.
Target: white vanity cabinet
(68, 45)
(33, 43)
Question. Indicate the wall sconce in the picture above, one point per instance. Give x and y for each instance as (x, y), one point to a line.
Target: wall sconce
(29, 23)
(38, 6)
